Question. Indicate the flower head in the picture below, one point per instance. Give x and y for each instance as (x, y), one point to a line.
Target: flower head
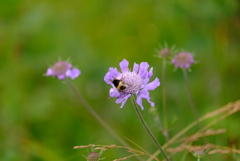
(132, 82)
(200, 154)
(93, 156)
(63, 69)
(183, 60)
(165, 53)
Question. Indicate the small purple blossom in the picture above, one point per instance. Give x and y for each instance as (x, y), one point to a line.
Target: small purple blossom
(136, 82)
(63, 69)
(183, 60)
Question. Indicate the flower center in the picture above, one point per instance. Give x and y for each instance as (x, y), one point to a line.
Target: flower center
(183, 58)
(132, 80)
(61, 67)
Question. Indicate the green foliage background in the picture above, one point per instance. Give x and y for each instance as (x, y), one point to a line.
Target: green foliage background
(40, 117)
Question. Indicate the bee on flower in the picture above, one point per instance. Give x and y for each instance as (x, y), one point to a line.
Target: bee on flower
(128, 82)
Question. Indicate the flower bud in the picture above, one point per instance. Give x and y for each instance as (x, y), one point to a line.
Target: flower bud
(93, 156)
(165, 53)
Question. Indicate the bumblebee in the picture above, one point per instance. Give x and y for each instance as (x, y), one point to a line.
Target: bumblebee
(119, 84)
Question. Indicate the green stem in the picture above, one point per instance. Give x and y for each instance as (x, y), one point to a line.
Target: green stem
(147, 128)
(91, 110)
(193, 107)
(165, 118)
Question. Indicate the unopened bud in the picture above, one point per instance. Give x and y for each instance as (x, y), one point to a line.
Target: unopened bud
(93, 156)
(164, 53)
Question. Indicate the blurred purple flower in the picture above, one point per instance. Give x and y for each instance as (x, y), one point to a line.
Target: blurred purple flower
(63, 69)
(183, 60)
(135, 81)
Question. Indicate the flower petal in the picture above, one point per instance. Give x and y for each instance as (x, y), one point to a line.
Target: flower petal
(73, 73)
(108, 77)
(124, 65)
(115, 73)
(150, 73)
(151, 103)
(123, 99)
(143, 73)
(69, 65)
(187, 65)
(139, 102)
(61, 77)
(111, 74)
(152, 85)
(143, 94)
(49, 72)
(145, 81)
(114, 92)
(135, 67)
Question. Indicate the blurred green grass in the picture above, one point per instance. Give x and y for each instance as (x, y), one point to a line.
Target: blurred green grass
(41, 119)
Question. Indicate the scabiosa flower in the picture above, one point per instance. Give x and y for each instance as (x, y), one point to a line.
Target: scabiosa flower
(183, 60)
(63, 69)
(134, 82)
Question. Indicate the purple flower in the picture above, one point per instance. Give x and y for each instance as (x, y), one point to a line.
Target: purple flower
(63, 69)
(183, 60)
(133, 82)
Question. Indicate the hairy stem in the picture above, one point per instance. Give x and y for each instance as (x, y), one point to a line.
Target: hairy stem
(147, 128)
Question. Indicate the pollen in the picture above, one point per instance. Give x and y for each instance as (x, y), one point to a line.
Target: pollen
(133, 81)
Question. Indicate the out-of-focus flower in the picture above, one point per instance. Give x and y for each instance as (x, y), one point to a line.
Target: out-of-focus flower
(165, 53)
(63, 69)
(200, 154)
(183, 60)
(131, 82)
(93, 156)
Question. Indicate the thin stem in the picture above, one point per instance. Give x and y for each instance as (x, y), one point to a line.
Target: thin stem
(165, 118)
(91, 110)
(147, 128)
(194, 109)
(193, 106)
